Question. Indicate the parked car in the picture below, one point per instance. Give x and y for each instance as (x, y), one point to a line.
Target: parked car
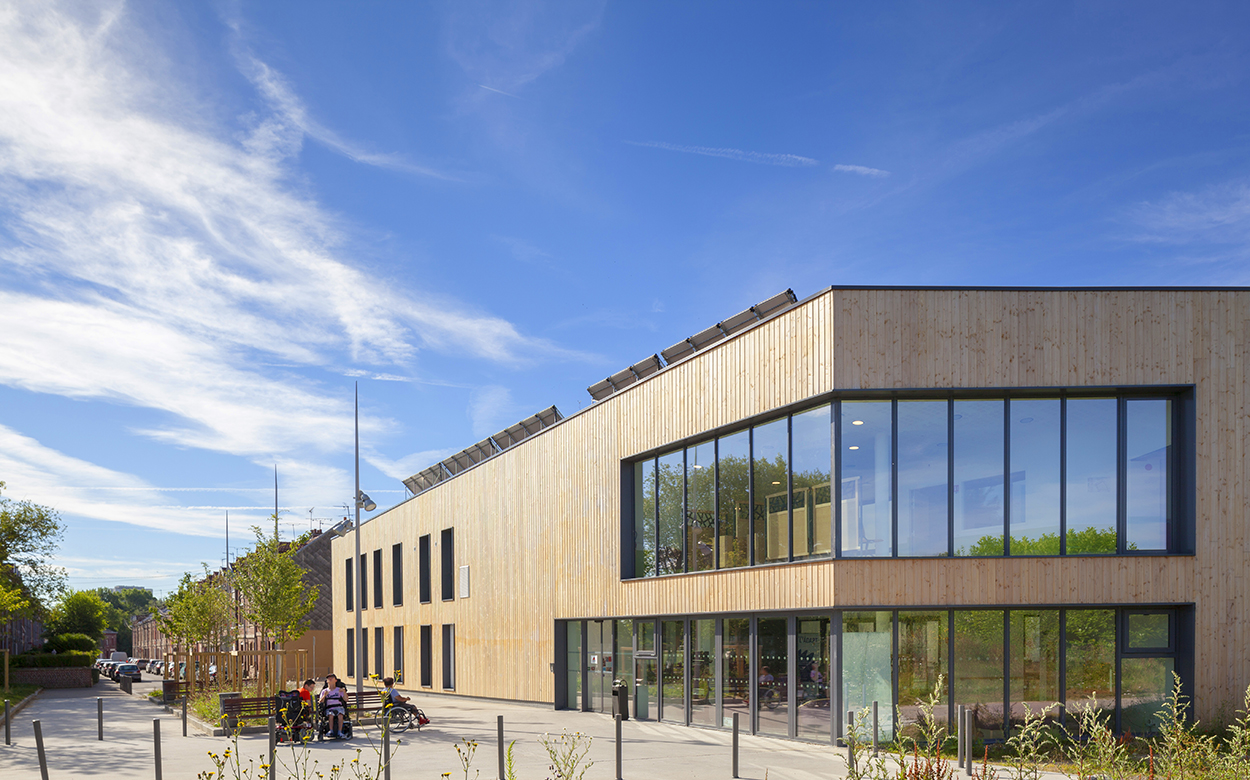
(142, 663)
(160, 668)
(106, 668)
(152, 665)
(127, 670)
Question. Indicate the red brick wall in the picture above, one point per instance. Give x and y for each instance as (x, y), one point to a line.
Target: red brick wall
(54, 677)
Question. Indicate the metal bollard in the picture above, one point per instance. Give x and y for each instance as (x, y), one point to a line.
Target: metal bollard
(43, 757)
(99, 718)
(8, 718)
(850, 742)
(499, 727)
(273, 747)
(874, 729)
(959, 734)
(735, 759)
(184, 715)
(156, 745)
(618, 747)
(967, 729)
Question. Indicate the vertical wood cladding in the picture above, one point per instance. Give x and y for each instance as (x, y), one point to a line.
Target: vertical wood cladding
(539, 524)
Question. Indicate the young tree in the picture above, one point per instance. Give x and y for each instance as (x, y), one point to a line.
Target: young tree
(29, 536)
(78, 612)
(275, 596)
(200, 611)
(122, 606)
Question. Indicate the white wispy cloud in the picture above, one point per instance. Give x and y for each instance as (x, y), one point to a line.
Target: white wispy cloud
(862, 170)
(760, 158)
(500, 91)
(491, 409)
(1218, 214)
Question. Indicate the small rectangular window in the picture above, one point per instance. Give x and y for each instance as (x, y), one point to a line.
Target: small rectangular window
(423, 568)
(364, 581)
(399, 654)
(350, 587)
(427, 656)
(351, 652)
(1148, 631)
(377, 579)
(397, 573)
(379, 654)
(448, 543)
(364, 652)
(449, 657)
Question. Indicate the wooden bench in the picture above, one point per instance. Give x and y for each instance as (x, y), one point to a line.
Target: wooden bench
(365, 702)
(253, 707)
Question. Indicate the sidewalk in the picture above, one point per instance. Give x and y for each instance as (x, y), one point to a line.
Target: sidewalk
(649, 750)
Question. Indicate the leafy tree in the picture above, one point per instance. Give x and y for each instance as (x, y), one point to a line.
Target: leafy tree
(78, 612)
(122, 606)
(200, 611)
(29, 536)
(271, 583)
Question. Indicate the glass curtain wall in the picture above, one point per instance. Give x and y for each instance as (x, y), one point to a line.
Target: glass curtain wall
(647, 675)
(922, 477)
(811, 647)
(770, 457)
(673, 671)
(1089, 661)
(703, 672)
(733, 478)
(868, 668)
(979, 669)
(644, 519)
(1034, 643)
(980, 460)
(923, 652)
(701, 507)
(773, 689)
(867, 485)
(670, 553)
(1148, 441)
(1033, 514)
(736, 671)
(811, 498)
(1090, 501)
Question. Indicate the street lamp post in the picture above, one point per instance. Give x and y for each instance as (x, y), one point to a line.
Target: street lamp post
(362, 501)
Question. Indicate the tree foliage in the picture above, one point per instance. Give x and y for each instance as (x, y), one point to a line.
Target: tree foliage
(78, 612)
(123, 605)
(272, 586)
(29, 537)
(200, 611)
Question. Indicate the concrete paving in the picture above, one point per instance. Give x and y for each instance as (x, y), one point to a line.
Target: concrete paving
(649, 750)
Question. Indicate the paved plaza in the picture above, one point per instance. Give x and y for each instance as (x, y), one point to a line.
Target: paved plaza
(649, 750)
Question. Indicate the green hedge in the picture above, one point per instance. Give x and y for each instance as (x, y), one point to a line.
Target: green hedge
(63, 643)
(48, 660)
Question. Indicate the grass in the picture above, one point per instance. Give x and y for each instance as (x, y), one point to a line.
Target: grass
(16, 693)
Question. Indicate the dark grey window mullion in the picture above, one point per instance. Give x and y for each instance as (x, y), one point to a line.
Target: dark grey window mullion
(950, 480)
(950, 669)
(753, 682)
(835, 479)
(655, 509)
(718, 648)
(1007, 488)
(792, 675)
(751, 500)
(585, 661)
(716, 504)
(1063, 666)
(790, 487)
(1121, 493)
(894, 670)
(1119, 616)
(835, 675)
(1006, 673)
(1063, 474)
(685, 509)
(687, 654)
(893, 481)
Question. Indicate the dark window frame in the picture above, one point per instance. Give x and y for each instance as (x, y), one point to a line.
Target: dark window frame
(379, 651)
(399, 654)
(447, 568)
(378, 596)
(424, 591)
(351, 587)
(363, 578)
(449, 656)
(351, 652)
(397, 574)
(426, 661)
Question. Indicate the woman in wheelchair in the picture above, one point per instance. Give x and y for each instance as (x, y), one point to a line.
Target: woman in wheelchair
(332, 701)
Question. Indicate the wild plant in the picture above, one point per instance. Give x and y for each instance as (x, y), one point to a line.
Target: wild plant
(1180, 751)
(567, 753)
(1094, 750)
(1031, 744)
(465, 750)
(927, 762)
(861, 764)
(1234, 760)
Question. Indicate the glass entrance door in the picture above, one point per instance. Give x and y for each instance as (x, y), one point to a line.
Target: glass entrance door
(600, 664)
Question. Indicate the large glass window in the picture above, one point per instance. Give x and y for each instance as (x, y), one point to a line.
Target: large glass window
(1034, 663)
(736, 671)
(573, 699)
(773, 689)
(922, 477)
(770, 448)
(673, 672)
(1091, 475)
(811, 648)
(922, 659)
(701, 507)
(811, 498)
(1144, 684)
(1034, 508)
(671, 478)
(867, 461)
(733, 476)
(979, 669)
(703, 672)
(1148, 438)
(644, 519)
(867, 667)
(980, 457)
(1090, 660)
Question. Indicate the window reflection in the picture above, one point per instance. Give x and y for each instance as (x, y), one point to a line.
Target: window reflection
(673, 671)
(980, 457)
(922, 478)
(644, 519)
(812, 718)
(1034, 664)
(922, 660)
(703, 672)
(770, 453)
(700, 507)
(1149, 439)
(733, 470)
(670, 477)
(811, 433)
(773, 691)
(867, 667)
(1034, 509)
(867, 458)
(1091, 478)
(1090, 660)
(979, 670)
(736, 670)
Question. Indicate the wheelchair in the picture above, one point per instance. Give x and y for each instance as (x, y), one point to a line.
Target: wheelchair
(294, 719)
(323, 723)
(401, 717)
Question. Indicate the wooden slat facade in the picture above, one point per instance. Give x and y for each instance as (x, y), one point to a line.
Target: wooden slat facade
(539, 524)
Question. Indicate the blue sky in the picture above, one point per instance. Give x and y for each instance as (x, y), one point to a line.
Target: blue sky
(216, 218)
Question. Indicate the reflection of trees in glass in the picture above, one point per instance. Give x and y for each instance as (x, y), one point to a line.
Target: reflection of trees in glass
(644, 523)
(1090, 654)
(1086, 540)
(734, 480)
(670, 479)
(922, 646)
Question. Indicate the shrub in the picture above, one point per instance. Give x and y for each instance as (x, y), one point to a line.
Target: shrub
(63, 643)
(50, 660)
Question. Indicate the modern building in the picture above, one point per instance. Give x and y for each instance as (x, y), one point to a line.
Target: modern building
(1017, 496)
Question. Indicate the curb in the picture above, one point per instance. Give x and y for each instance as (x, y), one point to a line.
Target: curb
(21, 705)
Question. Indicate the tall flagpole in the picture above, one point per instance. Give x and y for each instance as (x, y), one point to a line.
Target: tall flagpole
(360, 638)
